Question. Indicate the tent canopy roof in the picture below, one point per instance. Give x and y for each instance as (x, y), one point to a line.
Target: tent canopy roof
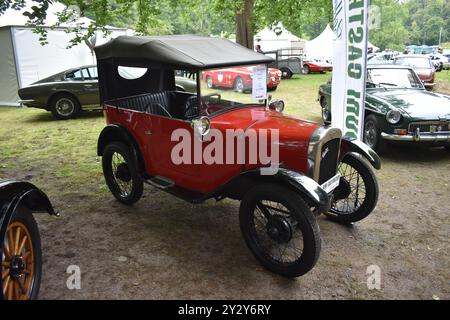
(184, 51)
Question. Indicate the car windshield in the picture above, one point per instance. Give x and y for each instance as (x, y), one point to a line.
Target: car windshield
(227, 88)
(414, 62)
(393, 78)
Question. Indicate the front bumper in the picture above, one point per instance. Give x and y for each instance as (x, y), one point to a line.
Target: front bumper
(418, 137)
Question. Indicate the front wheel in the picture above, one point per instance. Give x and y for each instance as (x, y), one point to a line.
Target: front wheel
(357, 194)
(372, 134)
(64, 106)
(280, 230)
(21, 266)
(326, 113)
(286, 73)
(239, 85)
(306, 69)
(121, 173)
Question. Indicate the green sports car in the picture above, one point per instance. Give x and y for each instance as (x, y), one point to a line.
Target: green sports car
(398, 108)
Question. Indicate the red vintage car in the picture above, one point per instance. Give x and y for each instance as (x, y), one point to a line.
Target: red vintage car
(217, 145)
(240, 79)
(314, 66)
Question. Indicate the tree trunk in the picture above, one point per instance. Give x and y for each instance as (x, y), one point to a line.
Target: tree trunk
(244, 28)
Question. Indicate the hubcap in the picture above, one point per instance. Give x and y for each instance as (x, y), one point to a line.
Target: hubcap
(370, 134)
(279, 229)
(17, 266)
(277, 232)
(65, 107)
(121, 175)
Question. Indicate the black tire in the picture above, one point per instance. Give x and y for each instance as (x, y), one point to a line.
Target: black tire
(306, 69)
(447, 148)
(326, 114)
(24, 218)
(344, 210)
(64, 106)
(272, 89)
(286, 73)
(123, 179)
(372, 134)
(209, 82)
(239, 85)
(299, 212)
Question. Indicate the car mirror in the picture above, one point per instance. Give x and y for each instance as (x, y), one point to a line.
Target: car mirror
(277, 105)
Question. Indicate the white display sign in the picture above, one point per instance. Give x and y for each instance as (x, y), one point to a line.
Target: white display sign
(349, 66)
(259, 83)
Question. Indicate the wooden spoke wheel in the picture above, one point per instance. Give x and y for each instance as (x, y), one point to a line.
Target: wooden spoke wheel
(20, 256)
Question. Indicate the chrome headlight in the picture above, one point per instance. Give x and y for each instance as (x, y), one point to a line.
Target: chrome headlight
(393, 116)
(201, 126)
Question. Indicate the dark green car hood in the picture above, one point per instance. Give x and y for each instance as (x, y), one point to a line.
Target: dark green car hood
(418, 104)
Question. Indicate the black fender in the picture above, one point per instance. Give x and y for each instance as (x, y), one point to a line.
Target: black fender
(309, 189)
(23, 195)
(115, 132)
(349, 145)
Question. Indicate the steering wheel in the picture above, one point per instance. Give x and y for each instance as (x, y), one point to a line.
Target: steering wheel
(191, 109)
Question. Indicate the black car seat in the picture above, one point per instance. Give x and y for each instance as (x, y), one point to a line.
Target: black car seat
(191, 109)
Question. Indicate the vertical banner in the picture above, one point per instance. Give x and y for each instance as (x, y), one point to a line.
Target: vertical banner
(349, 66)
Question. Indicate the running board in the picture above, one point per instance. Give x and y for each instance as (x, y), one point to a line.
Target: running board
(161, 182)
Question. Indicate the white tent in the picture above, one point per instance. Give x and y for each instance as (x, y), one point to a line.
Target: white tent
(277, 38)
(24, 60)
(322, 47)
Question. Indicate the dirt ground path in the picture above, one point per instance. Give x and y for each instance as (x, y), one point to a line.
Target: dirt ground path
(165, 248)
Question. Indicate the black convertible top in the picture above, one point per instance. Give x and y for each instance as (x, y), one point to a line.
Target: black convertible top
(182, 51)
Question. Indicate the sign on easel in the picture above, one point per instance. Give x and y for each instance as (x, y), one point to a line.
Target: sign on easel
(349, 66)
(259, 83)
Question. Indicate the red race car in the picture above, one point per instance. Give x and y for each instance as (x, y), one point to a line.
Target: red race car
(310, 66)
(239, 78)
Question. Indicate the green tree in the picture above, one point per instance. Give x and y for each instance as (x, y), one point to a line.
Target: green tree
(391, 32)
(244, 17)
(426, 19)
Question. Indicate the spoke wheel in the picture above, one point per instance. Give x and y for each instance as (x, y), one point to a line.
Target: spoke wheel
(280, 230)
(21, 259)
(372, 135)
(357, 194)
(121, 173)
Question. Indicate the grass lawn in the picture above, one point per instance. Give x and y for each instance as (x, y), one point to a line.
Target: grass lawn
(60, 156)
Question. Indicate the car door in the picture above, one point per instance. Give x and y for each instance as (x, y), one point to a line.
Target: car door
(166, 134)
(90, 86)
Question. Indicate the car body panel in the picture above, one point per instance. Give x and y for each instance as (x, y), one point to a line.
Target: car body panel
(316, 66)
(295, 135)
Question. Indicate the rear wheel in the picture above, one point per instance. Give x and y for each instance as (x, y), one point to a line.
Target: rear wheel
(357, 193)
(21, 266)
(64, 106)
(121, 173)
(286, 73)
(280, 230)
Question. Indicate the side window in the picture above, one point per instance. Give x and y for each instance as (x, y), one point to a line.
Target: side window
(74, 75)
(92, 73)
